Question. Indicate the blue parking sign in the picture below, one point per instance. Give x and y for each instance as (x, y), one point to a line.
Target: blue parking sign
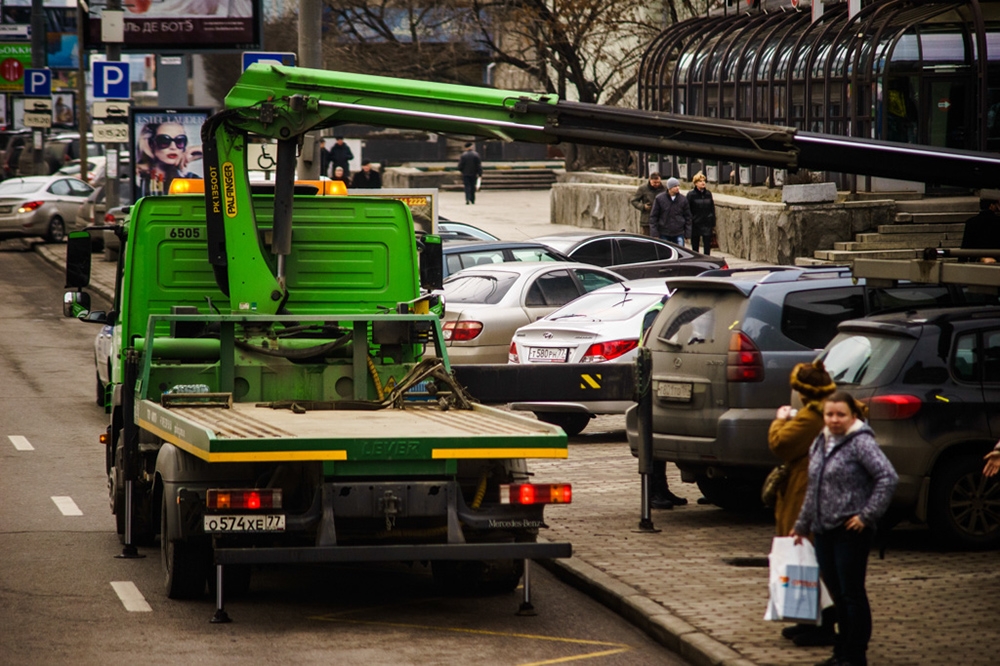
(110, 79)
(277, 57)
(38, 82)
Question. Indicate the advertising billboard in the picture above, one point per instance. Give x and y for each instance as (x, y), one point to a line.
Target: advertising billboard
(61, 50)
(167, 145)
(183, 25)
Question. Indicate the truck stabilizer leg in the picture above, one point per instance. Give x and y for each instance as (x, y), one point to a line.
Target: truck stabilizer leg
(526, 609)
(221, 616)
(129, 551)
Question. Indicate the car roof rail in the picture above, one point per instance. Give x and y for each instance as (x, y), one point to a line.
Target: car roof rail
(729, 272)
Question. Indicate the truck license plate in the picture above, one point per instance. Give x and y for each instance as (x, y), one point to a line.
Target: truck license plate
(264, 523)
(550, 354)
(675, 391)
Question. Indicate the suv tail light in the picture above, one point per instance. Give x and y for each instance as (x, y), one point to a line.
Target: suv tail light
(459, 331)
(744, 362)
(599, 352)
(893, 407)
(512, 356)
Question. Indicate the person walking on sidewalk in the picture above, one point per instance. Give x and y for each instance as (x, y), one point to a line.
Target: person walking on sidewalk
(851, 483)
(790, 437)
(472, 170)
(644, 197)
(702, 214)
(670, 218)
(366, 179)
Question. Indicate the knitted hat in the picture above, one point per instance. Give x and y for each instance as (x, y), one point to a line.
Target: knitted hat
(672, 183)
(812, 380)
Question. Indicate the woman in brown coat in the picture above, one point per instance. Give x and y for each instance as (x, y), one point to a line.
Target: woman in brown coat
(790, 436)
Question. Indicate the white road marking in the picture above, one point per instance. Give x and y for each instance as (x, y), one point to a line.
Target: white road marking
(67, 505)
(131, 597)
(20, 443)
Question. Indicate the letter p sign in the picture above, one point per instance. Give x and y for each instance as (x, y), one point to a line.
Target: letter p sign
(38, 82)
(110, 80)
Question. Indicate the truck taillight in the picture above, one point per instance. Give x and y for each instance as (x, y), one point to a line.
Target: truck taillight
(599, 352)
(893, 407)
(744, 362)
(459, 331)
(512, 356)
(247, 499)
(536, 493)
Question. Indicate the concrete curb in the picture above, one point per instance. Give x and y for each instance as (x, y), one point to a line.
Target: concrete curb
(667, 629)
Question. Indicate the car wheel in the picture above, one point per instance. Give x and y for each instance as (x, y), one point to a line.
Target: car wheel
(57, 231)
(572, 422)
(732, 494)
(964, 508)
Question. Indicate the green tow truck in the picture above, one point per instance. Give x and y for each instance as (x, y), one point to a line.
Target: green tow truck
(270, 399)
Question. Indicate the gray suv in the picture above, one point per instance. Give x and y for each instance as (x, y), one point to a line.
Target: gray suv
(723, 347)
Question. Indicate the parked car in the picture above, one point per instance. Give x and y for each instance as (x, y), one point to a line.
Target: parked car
(62, 149)
(95, 169)
(631, 255)
(931, 379)
(40, 206)
(722, 350)
(603, 326)
(486, 304)
(112, 244)
(449, 230)
(466, 254)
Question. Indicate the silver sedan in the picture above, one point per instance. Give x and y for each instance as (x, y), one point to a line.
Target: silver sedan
(40, 206)
(485, 305)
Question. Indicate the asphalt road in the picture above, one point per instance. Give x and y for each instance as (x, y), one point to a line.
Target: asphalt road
(65, 598)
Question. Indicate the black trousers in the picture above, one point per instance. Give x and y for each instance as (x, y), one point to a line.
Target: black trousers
(470, 188)
(843, 564)
(705, 240)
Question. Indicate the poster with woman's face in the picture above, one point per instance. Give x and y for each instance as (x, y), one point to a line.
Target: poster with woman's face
(167, 146)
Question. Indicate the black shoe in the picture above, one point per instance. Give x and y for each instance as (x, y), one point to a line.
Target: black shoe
(676, 500)
(704, 500)
(832, 661)
(660, 503)
(796, 629)
(819, 636)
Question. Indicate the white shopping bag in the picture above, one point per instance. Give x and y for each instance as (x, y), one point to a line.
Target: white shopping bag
(794, 583)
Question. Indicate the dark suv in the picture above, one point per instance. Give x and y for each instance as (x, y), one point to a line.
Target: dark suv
(723, 347)
(931, 379)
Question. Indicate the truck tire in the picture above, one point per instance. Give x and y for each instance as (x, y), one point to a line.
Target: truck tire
(964, 506)
(732, 494)
(572, 423)
(184, 563)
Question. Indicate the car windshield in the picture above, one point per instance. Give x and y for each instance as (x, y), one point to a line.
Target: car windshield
(859, 359)
(607, 306)
(478, 287)
(20, 186)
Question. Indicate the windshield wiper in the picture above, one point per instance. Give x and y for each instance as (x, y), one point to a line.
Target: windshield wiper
(566, 316)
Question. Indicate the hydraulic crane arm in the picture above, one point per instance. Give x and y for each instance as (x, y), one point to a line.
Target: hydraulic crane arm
(285, 102)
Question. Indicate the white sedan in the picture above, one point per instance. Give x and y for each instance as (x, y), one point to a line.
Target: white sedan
(485, 305)
(604, 326)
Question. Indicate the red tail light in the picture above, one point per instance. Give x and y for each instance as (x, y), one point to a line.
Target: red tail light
(536, 493)
(512, 356)
(29, 206)
(744, 362)
(600, 352)
(462, 330)
(251, 500)
(893, 407)
(109, 218)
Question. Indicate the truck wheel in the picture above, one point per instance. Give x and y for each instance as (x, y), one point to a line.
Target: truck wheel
(477, 577)
(964, 506)
(56, 232)
(572, 422)
(183, 564)
(732, 494)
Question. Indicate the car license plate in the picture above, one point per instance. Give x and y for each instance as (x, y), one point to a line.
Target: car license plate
(6, 209)
(246, 523)
(550, 354)
(675, 391)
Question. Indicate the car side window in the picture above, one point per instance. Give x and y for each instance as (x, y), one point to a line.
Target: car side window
(636, 251)
(810, 317)
(991, 356)
(964, 362)
(79, 188)
(60, 187)
(665, 253)
(454, 262)
(532, 254)
(909, 296)
(591, 280)
(553, 288)
(598, 252)
(482, 258)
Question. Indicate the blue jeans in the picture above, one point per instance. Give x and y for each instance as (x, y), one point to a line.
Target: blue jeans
(843, 564)
(676, 240)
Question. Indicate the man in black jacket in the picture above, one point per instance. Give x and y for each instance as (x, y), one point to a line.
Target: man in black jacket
(982, 232)
(472, 170)
(670, 218)
(340, 156)
(366, 179)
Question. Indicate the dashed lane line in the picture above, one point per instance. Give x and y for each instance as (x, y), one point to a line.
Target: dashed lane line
(67, 505)
(131, 597)
(20, 443)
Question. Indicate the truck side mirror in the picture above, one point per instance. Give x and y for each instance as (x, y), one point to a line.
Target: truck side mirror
(78, 260)
(431, 263)
(76, 303)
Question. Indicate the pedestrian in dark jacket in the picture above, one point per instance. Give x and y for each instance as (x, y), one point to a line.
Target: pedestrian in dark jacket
(851, 483)
(471, 168)
(644, 197)
(982, 231)
(670, 218)
(340, 156)
(366, 179)
(702, 214)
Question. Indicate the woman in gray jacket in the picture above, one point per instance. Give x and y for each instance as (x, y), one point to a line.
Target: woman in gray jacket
(851, 483)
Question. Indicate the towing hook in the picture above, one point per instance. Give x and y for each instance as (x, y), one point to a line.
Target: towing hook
(390, 505)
